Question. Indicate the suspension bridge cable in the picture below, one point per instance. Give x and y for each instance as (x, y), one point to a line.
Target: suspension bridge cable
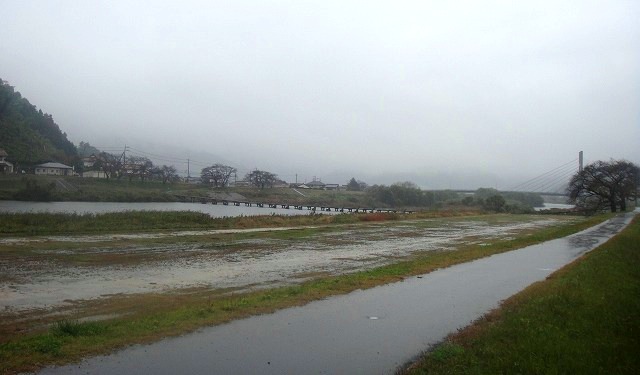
(542, 175)
(558, 183)
(551, 179)
(552, 185)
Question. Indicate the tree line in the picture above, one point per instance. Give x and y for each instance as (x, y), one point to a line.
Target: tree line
(133, 167)
(408, 194)
(219, 176)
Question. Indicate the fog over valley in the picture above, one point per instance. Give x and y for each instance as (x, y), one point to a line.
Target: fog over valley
(454, 94)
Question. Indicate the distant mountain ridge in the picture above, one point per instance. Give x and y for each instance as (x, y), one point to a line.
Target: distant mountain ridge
(30, 136)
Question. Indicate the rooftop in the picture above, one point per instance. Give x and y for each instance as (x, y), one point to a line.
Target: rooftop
(54, 165)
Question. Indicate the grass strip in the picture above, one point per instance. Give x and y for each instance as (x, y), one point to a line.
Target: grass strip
(33, 224)
(168, 315)
(584, 319)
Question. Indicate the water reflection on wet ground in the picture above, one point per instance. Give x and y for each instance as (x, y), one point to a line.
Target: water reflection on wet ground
(364, 332)
(59, 270)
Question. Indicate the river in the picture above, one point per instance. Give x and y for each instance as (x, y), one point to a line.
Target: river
(365, 332)
(213, 210)
(549, 206)
(104, 207)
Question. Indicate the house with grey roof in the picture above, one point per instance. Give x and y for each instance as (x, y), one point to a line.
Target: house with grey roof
(54, 169)
(5, 166)
(315, 184)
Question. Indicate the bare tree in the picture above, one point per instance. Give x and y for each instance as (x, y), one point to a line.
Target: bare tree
(166, 173)
(110, 164)
(261, 179)
(604, 184)
(138, 166)
(218, 175)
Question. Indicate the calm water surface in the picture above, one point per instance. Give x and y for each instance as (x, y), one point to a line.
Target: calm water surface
(548, 206)
(103, 207)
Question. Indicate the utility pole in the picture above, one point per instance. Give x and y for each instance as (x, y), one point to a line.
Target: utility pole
(124, 155)
(188, 170)
(580, 159)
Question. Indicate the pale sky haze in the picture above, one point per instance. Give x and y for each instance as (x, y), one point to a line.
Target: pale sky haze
(467, 93)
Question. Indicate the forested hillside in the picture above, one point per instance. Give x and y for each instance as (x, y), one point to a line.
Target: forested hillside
(28, 135)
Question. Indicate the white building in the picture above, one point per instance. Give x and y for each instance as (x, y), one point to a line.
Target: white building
(55, 169)
(5, 166)
(94, 174)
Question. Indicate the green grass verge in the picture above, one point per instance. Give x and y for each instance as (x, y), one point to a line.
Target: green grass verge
(93, 189)
(584, 319)
(30, 224)
(169, 314)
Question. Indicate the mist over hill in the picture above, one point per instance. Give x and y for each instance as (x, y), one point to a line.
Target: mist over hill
(28, 135)
(32, 137)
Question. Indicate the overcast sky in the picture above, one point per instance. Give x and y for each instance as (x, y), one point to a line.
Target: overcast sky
(463, 91)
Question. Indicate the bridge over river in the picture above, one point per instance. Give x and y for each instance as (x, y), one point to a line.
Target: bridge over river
(224, 202)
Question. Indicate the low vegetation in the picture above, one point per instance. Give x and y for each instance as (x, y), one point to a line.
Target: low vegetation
(116, 222)
(23, 224)
(583, 319)
(22, 187)
(153, 316)
(34, 190)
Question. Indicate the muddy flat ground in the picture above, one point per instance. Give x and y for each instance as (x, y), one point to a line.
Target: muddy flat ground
(80, 275)
(373, 331)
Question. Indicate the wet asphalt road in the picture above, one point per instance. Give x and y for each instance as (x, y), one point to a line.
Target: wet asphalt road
(365, 332)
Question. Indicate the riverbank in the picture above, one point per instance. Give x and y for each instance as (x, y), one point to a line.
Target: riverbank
(78, 189)
(31, 339)
(29, 188)
(583, 319)
(34, 224)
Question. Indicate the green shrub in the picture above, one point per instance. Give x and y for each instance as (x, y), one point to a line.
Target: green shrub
(75, 328)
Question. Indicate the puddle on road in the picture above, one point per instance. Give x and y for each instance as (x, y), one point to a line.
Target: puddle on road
(40, 282)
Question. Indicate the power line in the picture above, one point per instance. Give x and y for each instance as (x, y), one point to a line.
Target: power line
(139, 154)
(163, 157)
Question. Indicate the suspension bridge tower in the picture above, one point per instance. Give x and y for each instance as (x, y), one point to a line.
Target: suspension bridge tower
(580, 160)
